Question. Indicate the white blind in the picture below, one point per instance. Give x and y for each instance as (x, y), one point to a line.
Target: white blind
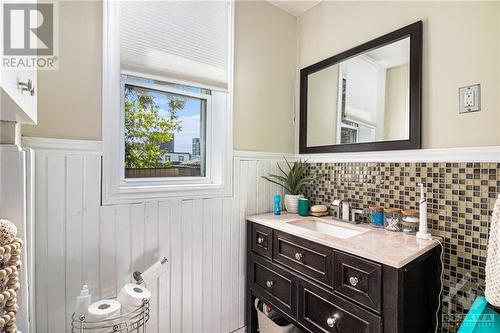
(362, 91)
(183, 40)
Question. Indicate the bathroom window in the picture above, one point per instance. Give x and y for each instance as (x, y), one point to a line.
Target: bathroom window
(165, 129)
(167, 117)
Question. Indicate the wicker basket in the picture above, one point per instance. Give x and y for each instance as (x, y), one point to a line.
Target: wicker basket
(266, 325)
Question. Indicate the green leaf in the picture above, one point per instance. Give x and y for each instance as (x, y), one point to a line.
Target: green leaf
(277, 183)
(146, 129)
(295, 179)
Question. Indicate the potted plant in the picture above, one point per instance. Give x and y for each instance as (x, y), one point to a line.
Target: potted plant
(293, 182)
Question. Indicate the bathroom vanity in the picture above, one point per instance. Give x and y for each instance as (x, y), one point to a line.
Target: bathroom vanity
(325, 275)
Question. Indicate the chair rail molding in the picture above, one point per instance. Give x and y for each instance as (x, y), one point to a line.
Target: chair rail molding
(67, 145)
(461, 154)
(262, 155)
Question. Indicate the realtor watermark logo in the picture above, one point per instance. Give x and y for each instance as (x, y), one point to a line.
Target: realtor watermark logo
(29, 35)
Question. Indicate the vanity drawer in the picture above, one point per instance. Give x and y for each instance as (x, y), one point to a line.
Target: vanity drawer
(275, 284)
(321, 311)
(262, 238)
(309, 258)
(358, 279)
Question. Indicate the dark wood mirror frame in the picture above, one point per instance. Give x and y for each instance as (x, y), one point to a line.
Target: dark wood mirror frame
(414, 31)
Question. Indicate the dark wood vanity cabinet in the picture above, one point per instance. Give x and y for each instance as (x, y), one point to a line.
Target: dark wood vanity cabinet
(320, 289)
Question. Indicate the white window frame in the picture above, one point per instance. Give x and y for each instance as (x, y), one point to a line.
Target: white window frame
(219, 137)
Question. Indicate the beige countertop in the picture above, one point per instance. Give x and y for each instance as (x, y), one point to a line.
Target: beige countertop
(394, 249)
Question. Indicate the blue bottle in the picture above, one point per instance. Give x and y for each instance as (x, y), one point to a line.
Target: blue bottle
(277, 204)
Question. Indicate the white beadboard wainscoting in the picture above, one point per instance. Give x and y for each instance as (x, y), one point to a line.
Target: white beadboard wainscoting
(78, 242)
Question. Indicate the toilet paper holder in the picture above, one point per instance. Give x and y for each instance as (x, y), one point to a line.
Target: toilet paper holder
(152, 272)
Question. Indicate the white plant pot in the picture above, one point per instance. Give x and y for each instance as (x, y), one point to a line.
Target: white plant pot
(292, 202)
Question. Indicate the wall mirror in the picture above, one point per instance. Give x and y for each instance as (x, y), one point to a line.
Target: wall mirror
(367, 98)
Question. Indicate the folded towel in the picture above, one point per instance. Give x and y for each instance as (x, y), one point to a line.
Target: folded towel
(492, 292)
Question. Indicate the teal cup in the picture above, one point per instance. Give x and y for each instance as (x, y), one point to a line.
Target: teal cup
(303, 207)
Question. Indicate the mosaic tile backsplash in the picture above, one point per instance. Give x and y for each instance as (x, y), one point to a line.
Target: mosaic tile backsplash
(460, 203)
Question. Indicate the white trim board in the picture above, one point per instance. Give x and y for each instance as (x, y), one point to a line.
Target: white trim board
(262, 155)
(66, 145)
(463, 154)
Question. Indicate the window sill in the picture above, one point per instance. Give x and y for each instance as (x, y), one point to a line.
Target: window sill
(136, 193)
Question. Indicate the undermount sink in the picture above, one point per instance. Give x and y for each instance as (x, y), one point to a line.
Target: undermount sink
(328, 229)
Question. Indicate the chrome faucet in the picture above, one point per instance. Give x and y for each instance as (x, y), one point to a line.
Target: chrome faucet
(341, 210)
(335, 207)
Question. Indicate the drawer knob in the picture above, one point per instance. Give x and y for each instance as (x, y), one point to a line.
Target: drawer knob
(260, 240)
(332, 321)
(269, 284)
(298, 256)
(353, 281)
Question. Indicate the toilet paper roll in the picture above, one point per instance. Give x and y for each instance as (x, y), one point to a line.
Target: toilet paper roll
(153, 272)
(131, 296)
(103, 309)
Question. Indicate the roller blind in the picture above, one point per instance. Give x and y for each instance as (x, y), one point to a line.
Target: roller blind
(183, 40)
(362, 83)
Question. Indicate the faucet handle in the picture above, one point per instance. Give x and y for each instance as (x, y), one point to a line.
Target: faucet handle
(336, 203)
(354, 213)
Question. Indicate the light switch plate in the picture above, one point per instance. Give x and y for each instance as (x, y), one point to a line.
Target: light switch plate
(469, 98)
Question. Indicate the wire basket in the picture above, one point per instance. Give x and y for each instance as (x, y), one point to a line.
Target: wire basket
(134, 321)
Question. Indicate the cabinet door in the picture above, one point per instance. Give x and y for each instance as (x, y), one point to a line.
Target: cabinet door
(17, 104)
(358, 279)
(262, 240)
(320, 311)
(275, 284)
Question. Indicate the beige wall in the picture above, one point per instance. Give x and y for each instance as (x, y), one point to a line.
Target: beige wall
(332, 27)
(322, 106)
(69, 100)
(264, 77)
(396, 103)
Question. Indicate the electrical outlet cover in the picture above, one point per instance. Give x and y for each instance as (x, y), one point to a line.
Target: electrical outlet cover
(469, 98)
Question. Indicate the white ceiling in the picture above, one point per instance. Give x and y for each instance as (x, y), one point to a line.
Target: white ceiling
(294, 7)
(392, 55)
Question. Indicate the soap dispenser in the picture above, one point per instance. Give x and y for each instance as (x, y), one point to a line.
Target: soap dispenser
(422, 228)
(83, 302)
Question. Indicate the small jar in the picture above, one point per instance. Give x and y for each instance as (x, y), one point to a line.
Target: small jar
(376, 216)
(392, 219)
(410, 221)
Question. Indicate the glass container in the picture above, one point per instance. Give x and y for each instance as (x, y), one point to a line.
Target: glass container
(376, 216)
(410, 220)
(392, 219)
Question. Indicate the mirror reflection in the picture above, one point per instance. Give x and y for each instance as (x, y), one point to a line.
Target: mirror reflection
(362, 99)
